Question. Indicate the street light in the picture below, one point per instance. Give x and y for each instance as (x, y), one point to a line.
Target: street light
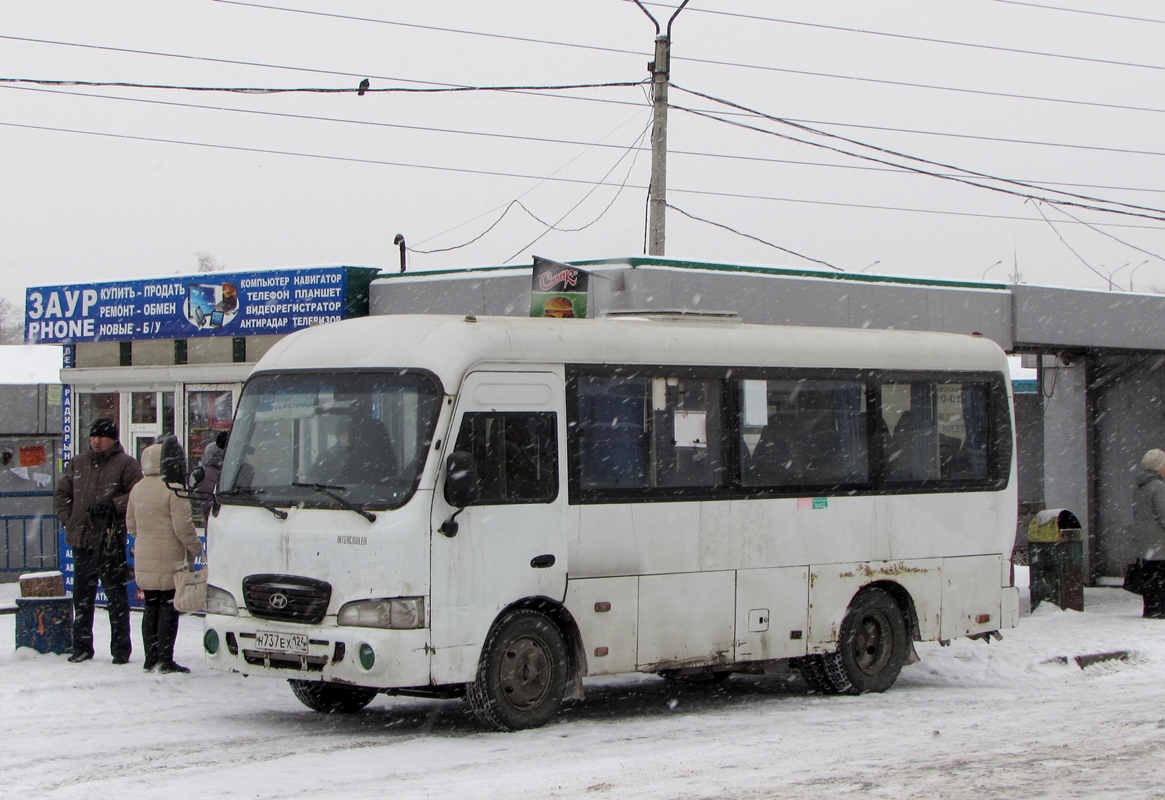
(1134, 272)
(993, 266)
(1114, 272)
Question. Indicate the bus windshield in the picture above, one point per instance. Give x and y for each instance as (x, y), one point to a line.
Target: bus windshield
(330, 439)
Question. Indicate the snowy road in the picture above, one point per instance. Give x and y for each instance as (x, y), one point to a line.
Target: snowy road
(1009, 719)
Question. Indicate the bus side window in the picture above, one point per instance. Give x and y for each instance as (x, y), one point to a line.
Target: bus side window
(516, 455)
(803, 432)
(688, 433)
(613, 437)
(936, 431)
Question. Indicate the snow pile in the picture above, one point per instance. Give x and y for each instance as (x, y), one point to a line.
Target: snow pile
(1016, 718)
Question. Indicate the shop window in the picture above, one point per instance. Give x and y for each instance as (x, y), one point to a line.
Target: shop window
(89, 408)
(144, 408)
(209, 413)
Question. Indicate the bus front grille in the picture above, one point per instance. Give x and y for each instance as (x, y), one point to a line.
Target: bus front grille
(260, 658)
(287, 598)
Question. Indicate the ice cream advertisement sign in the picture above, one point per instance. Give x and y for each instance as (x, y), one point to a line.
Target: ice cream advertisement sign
(558, 290)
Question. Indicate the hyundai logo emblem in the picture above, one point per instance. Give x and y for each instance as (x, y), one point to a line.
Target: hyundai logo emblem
(278, 601)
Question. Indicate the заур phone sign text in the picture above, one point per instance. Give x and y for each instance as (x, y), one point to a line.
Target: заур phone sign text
(208, 304)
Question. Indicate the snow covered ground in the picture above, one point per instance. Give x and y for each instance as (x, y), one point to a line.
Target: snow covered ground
(1017, 718)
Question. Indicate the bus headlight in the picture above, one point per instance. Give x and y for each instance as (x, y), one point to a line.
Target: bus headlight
(388, 612)
(220, 601)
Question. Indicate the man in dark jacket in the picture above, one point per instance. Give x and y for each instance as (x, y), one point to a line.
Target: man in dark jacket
(90, 501)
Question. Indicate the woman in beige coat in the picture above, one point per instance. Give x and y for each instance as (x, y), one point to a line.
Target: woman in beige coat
(161, 523)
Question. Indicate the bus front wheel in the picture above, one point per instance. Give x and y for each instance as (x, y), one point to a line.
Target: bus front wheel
(332, 698)
(522, 676)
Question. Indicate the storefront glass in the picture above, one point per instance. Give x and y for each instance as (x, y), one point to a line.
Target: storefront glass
(209, 413)
(89, 408)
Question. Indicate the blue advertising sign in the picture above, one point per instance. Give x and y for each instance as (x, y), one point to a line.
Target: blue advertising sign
(68, 361)
(206, 304)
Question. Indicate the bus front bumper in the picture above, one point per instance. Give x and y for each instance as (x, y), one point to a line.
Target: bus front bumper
(370, 657)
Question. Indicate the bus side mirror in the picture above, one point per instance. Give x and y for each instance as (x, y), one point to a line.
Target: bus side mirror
(196, 476)
(462, 487)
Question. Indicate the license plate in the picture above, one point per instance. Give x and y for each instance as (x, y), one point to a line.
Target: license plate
(281, 642)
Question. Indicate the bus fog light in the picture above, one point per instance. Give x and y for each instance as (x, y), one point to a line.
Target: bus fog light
(220, 601)
(210, 641)
(367, 656)
(389, 612)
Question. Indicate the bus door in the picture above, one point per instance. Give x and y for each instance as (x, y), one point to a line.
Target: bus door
(511, 543)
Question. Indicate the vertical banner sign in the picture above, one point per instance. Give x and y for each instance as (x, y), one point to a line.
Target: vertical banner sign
(558, 290)
(64, 552)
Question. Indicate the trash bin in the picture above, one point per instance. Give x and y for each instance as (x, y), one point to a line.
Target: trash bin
(44, 615)
(45, 624)
(1056, 559)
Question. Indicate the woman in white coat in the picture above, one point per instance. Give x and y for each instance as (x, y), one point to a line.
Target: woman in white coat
(161, 523)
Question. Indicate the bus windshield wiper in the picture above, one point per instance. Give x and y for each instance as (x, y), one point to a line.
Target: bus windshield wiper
(253, 494)
(330, 491)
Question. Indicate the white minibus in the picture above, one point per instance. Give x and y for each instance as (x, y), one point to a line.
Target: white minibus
(498, 508)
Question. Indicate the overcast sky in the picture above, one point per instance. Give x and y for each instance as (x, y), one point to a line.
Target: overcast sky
(105, 183)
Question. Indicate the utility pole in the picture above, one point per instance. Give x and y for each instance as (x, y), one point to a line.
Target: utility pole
(657, 194)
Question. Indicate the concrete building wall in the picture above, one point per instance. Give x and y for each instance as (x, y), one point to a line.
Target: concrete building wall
(1075, 318)
(1067, 475)
(1129, 401)
(764, 299)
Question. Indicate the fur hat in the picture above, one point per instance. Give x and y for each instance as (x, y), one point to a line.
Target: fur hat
(1153, 460)
(104, 426)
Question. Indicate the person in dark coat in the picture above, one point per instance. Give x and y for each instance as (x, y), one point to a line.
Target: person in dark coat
(1149, 527)
(90, 500)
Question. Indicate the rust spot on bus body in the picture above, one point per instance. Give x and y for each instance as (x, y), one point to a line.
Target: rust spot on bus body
(897, 568)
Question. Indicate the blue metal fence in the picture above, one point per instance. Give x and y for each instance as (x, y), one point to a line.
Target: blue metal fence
(29, 543)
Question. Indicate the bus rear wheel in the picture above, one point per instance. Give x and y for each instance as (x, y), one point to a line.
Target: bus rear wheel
(873, 644)
(521, 678)
(332, 698)
(871, 651)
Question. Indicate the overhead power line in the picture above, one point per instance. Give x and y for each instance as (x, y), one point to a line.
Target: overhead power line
(674, 152)
(517, 89)
(360, 89)
(526, 176)
(708, 61)
(931, 40)
(553, 226)
(206, 59)
(436, 28)
(754, 238)
(1081, 201)
(1083, 11)
(319, 118)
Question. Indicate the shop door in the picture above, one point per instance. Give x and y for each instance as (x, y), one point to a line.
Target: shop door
(151, 416)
